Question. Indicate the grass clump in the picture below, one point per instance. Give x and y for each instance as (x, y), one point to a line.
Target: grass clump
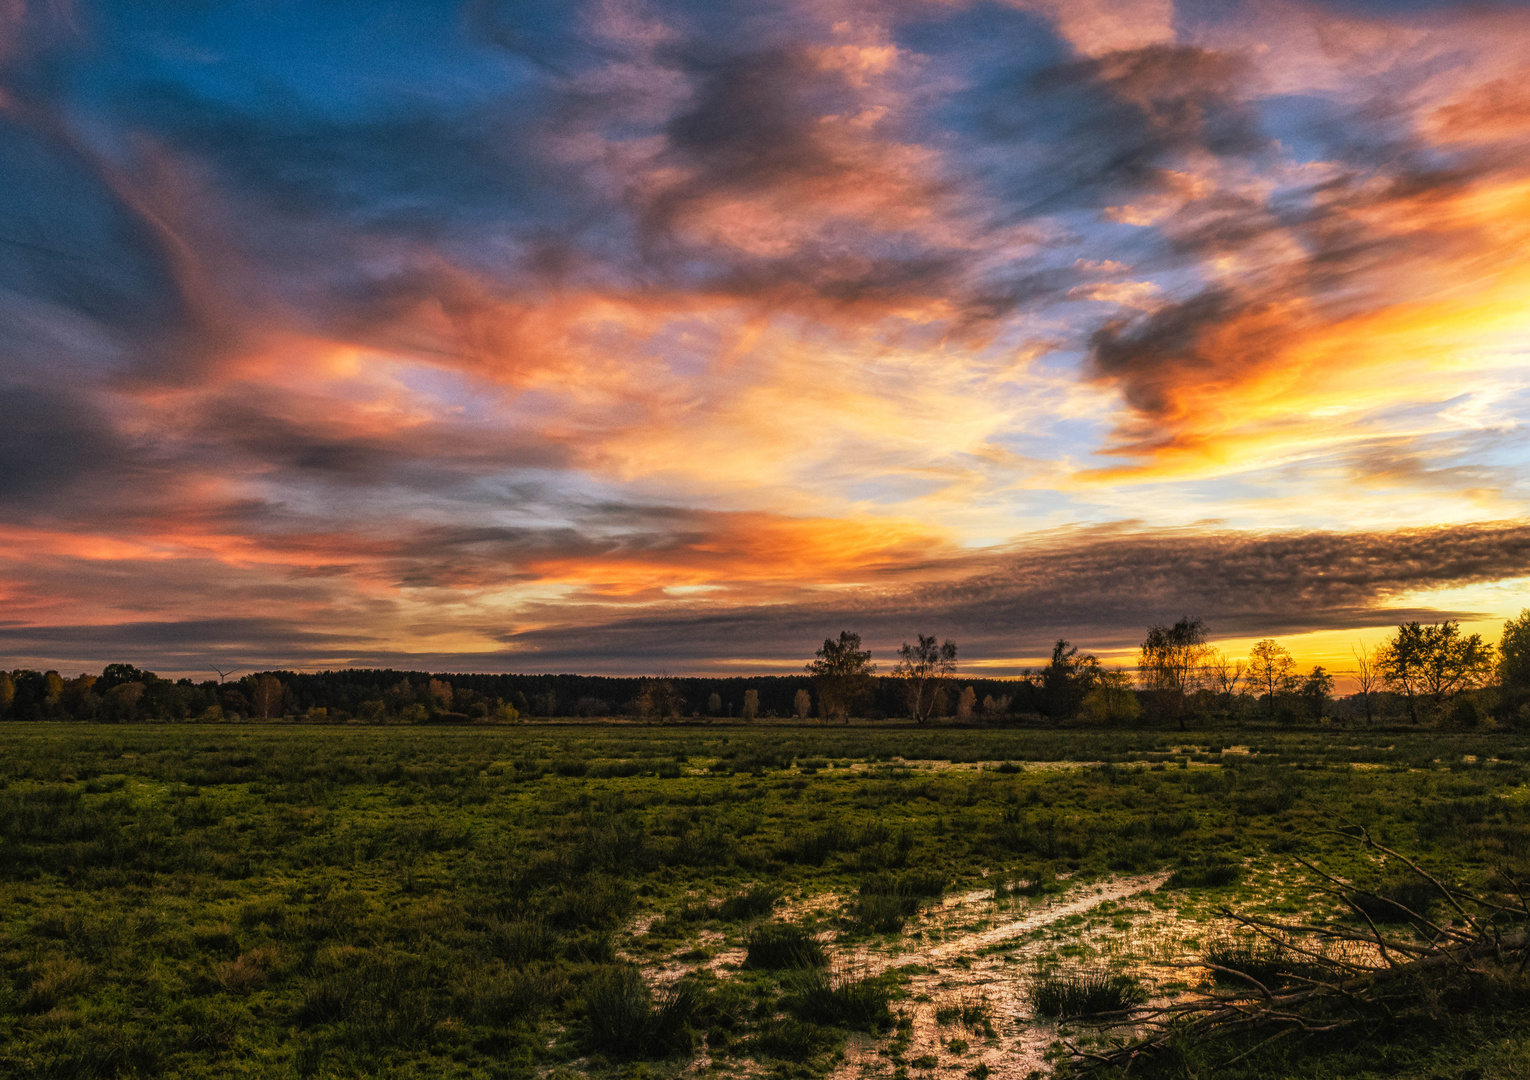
(622, 1017)
(777, 946)
(1265, 963)
(790, 1039)
(755, 902)
(843, 999)
(968, 1010)
(1401, 900)
(887, 901)
(1064, 997)
(1211, 875)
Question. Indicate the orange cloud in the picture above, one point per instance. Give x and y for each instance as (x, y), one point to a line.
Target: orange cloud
(1495, 110)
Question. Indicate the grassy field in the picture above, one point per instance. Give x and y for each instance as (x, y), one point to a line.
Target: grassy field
(276, 901)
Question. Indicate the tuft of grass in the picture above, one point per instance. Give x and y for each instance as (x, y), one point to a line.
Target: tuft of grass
(774, 946)
(843, 998)
(1267, 964)
(755, 902)
(972, 1010)
(246, 972)
(1397, 901)
(887, 901)
(521, 941)
(790, 1039)
(1068, 996)
(812, 848)
(623, 1019)
(879, 914)
(618, 1006)
(56, 980)
(1216, 875)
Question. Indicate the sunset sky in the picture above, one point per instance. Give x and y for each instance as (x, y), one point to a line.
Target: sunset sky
(624, 337)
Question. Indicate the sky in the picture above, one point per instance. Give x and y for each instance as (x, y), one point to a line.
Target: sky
(631, 337)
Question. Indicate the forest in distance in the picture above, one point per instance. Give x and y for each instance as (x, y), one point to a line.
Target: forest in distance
(1422, 674)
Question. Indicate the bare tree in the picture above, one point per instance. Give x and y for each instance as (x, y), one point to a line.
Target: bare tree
(802, 704)
(751, 707)
(925, 668)
(1367, 676)
(966, 705)
(1224, 674)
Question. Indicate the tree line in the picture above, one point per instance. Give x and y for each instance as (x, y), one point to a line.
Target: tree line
(1422, 673)
(123, 694)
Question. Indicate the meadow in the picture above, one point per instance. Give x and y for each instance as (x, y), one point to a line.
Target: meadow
(630, 900)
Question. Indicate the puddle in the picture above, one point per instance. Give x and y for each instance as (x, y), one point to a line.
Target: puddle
(972, 949)
(965, 966)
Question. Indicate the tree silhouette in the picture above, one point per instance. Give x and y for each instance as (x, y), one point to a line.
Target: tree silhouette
(1269, 668)
(1169, 661)
(843, 672)
(924, 668)
(1367, 676)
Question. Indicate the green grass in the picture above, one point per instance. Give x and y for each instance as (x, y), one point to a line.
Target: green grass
(275, 901)
(774, 946)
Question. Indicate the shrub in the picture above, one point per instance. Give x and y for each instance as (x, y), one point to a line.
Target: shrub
(1066, 996)
(774, 946)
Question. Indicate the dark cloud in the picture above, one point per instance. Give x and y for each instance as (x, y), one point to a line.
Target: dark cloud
(68, 240)
(179, 646)
(48, 442)
(754, 119)
(61, 458)
(437, 456)
(1099, 590)
(1118, 127)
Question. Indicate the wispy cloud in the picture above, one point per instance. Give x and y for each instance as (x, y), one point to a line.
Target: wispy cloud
(529, 333)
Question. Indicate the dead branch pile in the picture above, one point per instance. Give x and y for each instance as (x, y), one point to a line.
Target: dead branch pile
(1408, 951)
